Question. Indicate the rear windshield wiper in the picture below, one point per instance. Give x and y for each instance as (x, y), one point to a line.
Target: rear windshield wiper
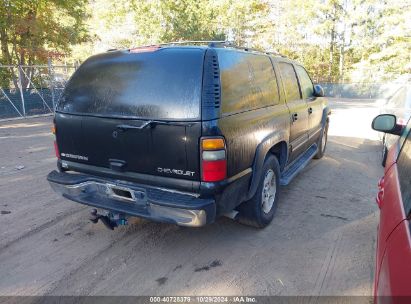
(125, 127)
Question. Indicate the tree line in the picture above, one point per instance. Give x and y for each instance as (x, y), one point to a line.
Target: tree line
(337, 40)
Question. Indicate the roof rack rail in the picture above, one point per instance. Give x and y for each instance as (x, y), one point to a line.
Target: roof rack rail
(188, 42)
(275, 53)
(214, 43)
(205, 42)
(247, 49)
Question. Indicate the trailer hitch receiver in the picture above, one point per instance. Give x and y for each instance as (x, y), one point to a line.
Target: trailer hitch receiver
(110, 220)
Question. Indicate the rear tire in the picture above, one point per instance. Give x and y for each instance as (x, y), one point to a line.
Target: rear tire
(322, 142)
(260, 209)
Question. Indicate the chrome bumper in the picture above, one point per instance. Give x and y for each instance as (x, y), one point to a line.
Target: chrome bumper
(152, 203)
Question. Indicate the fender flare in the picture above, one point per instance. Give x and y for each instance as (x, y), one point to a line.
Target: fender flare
(326, 113)
(262, 150)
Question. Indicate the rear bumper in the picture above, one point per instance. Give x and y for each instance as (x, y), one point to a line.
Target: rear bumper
(158, 204)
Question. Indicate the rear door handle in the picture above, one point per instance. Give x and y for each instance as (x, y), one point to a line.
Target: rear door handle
(310, 110)
(294, 117)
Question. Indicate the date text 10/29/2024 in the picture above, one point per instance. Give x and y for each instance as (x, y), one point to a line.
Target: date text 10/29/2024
(203, 299)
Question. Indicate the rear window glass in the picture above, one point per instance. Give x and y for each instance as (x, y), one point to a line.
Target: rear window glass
(247, 81)
(164, 84)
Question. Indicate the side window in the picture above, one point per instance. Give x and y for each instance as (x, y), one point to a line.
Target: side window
(247, 81)
(404, 173)
(292, 91)
(307, 87)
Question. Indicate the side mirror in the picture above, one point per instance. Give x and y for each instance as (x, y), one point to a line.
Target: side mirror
(386, 123)
(318, 91)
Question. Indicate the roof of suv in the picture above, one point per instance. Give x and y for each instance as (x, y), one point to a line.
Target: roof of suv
(204, 45)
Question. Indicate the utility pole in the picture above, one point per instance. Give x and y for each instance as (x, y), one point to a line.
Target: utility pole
(19, 68)
(51, 82)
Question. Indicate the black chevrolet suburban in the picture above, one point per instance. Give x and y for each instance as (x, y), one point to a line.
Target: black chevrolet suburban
(186, 133)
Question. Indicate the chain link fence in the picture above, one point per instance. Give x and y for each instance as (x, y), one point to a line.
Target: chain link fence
(34, 90)
(366, 90)
(353, 90)
(27, 90)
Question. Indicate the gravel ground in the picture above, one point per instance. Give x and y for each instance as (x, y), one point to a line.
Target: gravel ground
(321, 242)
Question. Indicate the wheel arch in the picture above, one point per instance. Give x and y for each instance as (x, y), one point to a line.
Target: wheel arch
(275, 144)
(280, 151)
(325, 118)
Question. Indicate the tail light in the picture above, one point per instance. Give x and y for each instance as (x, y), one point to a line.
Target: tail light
(56, 148)
(213, 159)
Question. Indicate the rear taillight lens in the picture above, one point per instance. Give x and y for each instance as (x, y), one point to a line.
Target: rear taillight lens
(56, 148)
(213, 159)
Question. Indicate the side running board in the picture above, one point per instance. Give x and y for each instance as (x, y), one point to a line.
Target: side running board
(299, 164)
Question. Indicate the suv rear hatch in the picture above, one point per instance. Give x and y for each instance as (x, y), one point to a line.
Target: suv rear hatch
(134, 111)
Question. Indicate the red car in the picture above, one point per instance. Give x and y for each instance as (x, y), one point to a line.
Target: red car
(392, 283)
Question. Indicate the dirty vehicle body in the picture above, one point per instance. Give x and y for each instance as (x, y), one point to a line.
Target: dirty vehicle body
(393, 257)
(184, 134)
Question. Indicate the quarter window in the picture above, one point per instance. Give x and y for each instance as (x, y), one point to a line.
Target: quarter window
(290, 81)
(307, 87)
(247, 81)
